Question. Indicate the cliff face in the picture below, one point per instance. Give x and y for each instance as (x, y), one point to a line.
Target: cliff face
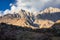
(22, 18)
(43, 19)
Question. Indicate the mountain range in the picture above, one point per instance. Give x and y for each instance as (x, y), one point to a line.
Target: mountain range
(43, 19)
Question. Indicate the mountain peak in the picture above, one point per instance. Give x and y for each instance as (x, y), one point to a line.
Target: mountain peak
(51, 10)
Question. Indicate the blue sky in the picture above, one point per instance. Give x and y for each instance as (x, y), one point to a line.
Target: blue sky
(4, 4)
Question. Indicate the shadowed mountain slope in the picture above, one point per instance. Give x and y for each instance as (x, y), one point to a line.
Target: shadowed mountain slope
(49, 16)
(12, 32)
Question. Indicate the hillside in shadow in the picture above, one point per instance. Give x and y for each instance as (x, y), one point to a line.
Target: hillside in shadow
(12, 32)
(56, 27)
(49, 16)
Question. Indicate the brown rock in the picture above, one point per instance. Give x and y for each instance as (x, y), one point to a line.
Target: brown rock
(44, 23)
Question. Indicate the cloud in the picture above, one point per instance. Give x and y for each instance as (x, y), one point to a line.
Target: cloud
(36, 5)
(52, 3)
(0, 13)
(31, 5)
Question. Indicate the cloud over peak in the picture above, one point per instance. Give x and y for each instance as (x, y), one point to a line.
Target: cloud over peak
(31, 5)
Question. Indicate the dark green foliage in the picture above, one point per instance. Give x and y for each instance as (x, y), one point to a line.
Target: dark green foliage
(12, 32)
(56, 28)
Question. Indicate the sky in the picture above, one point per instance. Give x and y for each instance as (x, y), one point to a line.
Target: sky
(5, 4)
(11, 6)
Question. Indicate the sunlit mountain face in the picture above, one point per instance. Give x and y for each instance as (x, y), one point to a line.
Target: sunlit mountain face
(31, 12)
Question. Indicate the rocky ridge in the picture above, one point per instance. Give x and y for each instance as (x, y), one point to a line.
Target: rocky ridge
(26, 19)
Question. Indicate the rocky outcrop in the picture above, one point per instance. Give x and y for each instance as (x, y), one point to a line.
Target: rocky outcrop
(44, 23)
(23, 18)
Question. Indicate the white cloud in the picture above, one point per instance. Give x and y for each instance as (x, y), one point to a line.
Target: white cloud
(0, 13)
(35, 5)
(31, 5)
(7, 11)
